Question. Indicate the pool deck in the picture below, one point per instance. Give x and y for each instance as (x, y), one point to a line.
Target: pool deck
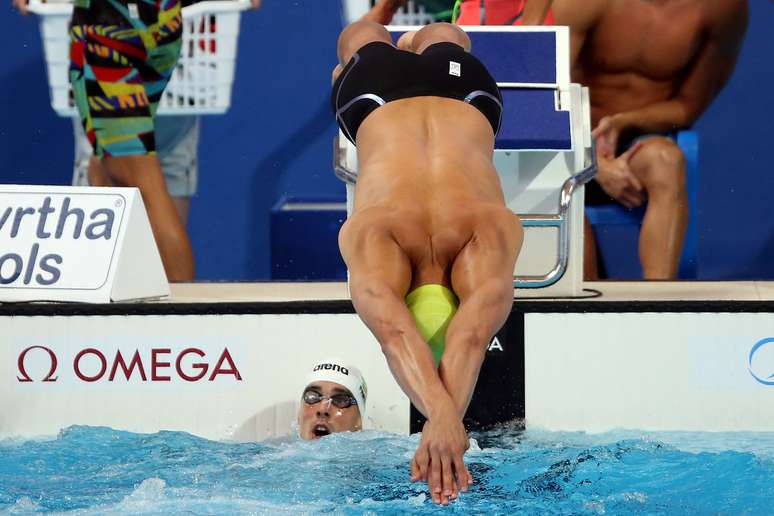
(611, 291)
(333, 297)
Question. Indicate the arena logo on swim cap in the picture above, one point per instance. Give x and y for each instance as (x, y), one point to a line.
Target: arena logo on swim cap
(761, 361)
(331, 367)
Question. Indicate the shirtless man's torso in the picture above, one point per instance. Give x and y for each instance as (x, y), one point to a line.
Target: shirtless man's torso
(653, 66)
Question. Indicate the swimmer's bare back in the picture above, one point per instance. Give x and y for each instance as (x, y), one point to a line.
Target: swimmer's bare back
(426, 176)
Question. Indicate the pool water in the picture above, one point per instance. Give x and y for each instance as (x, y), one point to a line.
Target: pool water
(88, 470)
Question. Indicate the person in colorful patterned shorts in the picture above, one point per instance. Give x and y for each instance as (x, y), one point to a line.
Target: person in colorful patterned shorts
(122, 55)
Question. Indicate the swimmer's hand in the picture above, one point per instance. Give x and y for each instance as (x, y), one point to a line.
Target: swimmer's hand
(438, 459)
(255, 4)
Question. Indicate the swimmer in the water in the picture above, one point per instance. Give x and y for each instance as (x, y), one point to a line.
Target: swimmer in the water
(333, 400)
(430, 245)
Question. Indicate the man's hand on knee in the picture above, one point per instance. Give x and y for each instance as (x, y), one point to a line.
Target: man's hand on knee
(606, 134)
(618, 181)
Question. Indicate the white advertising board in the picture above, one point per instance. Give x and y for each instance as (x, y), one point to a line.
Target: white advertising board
(234, 377)
(77, 244)
(651, 371)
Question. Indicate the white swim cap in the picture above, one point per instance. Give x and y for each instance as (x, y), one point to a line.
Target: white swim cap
(338, 371)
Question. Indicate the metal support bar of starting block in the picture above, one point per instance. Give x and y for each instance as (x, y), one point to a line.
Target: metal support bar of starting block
(560, 220)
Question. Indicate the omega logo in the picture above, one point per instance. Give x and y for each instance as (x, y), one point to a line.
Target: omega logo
(20, 364)
(190, 365)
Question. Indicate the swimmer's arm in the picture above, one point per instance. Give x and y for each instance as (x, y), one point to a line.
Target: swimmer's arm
(535, 12)
(703, 81)
(408, 355)
(379, 275)
(438, 459)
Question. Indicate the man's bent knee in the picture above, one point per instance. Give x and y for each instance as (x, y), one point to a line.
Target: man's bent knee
(664, 151)
(661, 167)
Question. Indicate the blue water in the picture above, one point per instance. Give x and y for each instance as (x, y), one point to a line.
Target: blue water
(87, 470)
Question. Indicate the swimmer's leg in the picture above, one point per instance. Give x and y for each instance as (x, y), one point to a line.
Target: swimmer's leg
(357, 35)
(482, 278)
(439, 33)
(418, 41)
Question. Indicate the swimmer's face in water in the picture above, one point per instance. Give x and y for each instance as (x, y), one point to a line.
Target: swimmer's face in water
(326, 408)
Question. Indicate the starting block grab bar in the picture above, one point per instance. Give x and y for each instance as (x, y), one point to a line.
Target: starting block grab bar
(560, 221)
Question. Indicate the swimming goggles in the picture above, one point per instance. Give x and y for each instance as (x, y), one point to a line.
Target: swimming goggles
(340, 400)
